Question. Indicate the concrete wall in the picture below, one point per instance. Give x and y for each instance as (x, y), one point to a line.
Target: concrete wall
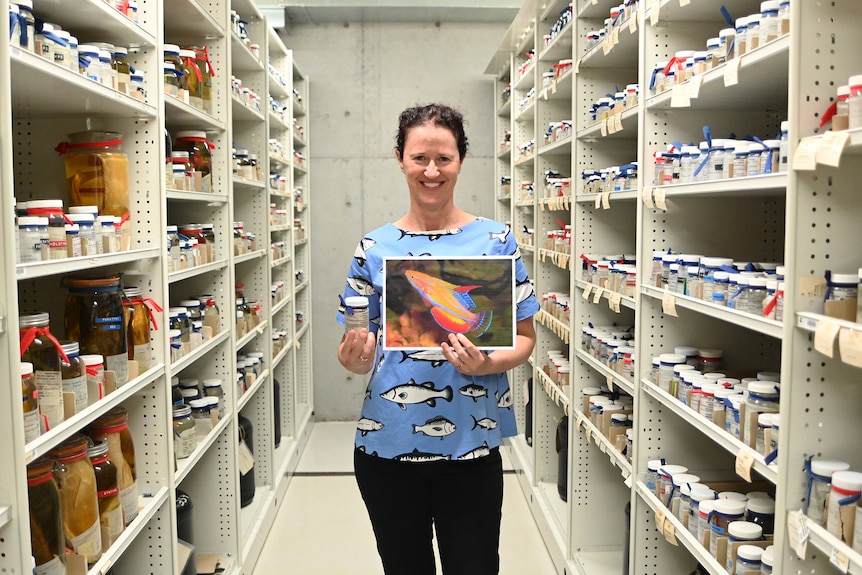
(362, 75)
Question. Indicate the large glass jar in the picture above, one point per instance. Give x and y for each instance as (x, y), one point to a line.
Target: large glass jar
(193, 78)
(78, 497)
(210, 312)
(97, 172)
(113, 427)
(30, 398)
(94, 317)
(110, 510)
(185, 436)
(120, 64)
(202, 59)
(74, 373)
(137, 324)
(46, 524)
(41, 349)
(196, 144)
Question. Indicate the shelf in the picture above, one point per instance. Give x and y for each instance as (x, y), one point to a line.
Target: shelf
(243, 59)
(559, 259)
(762, 76)
(558, 328)
(281, 355)
(716, 434)
(592, 433)
(276, 122)
(185, 466)
(280, 262)
(831, 546)
(148, 506)
(299, 287)
(603, 130)
(749, 321)
(525, 81)
(767, 185)
(560, 46)
(95, 19)
(625, 301)
(243, 399)
(278, 91)
(189, 22)
(243, 113)
(247, 183)
(622, 55)
(184, 196)
(558, 395)
(558, 204)
(681, 533)
(182, 116)
(611, 377)
(700, 11)
(72, 265)
(247, 257)
(280, 305)
(810, 322)
(281, 228)
(300, 333)
(612, 197)
(196, 354)
(561, 147)
(38, 81)
(259, 329)
(196, 271)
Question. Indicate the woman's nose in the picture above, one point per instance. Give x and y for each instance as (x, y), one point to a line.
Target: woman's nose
(431, 171)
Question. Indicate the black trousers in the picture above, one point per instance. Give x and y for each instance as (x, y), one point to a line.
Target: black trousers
(462, 500)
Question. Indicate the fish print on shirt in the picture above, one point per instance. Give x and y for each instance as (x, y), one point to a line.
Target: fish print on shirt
(361, 285)
(360, 255)
(451, 305)
(365, 451)
(484, 423)
(435, 357)
(499, 236)
(412, 392)
(416, 456)
(481, 451)
(475, 391)
(432, 236)
(367, 426)
(436, 427)
(505, 401)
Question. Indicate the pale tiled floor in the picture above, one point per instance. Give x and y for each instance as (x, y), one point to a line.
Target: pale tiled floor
(322, 527)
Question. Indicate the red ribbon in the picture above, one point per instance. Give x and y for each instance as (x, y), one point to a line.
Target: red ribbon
(30, 335)
(92, 371)
(767, 310)
(145, 301)
(122, 221)
(206, 59)
(191, 61)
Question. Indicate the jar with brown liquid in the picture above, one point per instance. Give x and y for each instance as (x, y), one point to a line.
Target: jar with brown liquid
(113, 427)
(74, 375)
(40, 349)
(94, 317)
(138, 328)
(47, 542)
(97, 172)
(207, 72)
(110, 510)
(78, 497)
(30, 396)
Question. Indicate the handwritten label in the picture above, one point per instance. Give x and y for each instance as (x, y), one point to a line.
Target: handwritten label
(604, 127)
(615, 36)
(850, 346)
(824, 336)
(598, 201)
(615, 300)
(618, 122)
(694, 86)
(670, 533)
(839, 560)
(744, 463)
(668, 304)
(684, 2)
(805, 157)
(660, 520)
(606, 200)
(830, 148)
(660, 197)
(797, 532)
(679, 96)
(633, 24)
(647, 198)
(654, 15)
(587, 291)
(731, 72)
(597, 297)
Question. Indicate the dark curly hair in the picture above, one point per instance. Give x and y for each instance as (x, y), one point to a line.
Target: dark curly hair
(436, 115)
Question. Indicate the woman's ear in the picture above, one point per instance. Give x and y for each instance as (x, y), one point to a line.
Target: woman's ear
(398, 157)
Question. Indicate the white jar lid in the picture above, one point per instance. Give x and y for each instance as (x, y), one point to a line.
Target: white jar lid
(712, 262)
(765, 419)
(734, 495)
(710, 353)
(770, 5)
(845, 279)
(197, 403)
(356, 301)
(704, 493)
(671, 358)
(92, 359)
(685, 478)
(26, 368)
(33, 204)
(763, 387)
(729, 506)
(211, 383)
(826, 467)
(761, 504)
(713, 42)
(191, 134)
(32, 221)
(742, 22)
(768, 556)
(749, 552)
(590, 391)
(745, 530)
(706, 506)
(758, 282)
(848, 480)
(725, 32)
(171, 48)
(672, 469)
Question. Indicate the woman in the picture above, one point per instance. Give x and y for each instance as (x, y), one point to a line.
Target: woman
(421, 462)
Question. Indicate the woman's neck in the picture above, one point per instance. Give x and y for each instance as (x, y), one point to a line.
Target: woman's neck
(424, 222)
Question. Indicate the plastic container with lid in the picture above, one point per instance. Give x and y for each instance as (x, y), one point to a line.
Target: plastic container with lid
(32, 239)
(355, 313)
(704, 510)
(854, 102)
(740, 42)
(666, 474)
(761, 511)
(185, 436)
(841, 504)
(200, 412)
(698, 494)
(140, 318)
(86, 232)
(747, 559)
(763, 397)
(97, 171)
(725, 512)
(820, 472)
(653, 480)
(94, 366)
(192, 77)
(767, 560)
(709, 360)
(668, 361)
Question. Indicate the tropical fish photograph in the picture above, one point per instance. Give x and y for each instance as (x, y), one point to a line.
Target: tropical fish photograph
(427, 298)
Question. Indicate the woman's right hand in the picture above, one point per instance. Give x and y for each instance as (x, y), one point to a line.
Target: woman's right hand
(356, 350)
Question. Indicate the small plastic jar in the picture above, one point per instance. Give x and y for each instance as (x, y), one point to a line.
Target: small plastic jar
(763, 397)
(185, 438)
(30, 397)
(767, 561)
(699, 493)
(668, 361)
(752, 32)
(713, 52)
(355, 313)
(666, 474)
(704, 509)
(32, 239)
(761, 511)
(725, 512)
(841, 504)
(739, 531)
(727, 36)
(854, 102)
(842, 287)
(770, 23)
(747, 559)
(740, 42)
(653, 480)
(820, 473)
(679, 481)
(709, 360)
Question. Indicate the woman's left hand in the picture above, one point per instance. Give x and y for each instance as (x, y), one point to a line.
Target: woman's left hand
(465, 356)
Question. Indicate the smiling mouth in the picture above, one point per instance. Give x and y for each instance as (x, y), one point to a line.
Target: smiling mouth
(432, 184)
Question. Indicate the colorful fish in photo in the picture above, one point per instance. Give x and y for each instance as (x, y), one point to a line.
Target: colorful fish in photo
(451, 305)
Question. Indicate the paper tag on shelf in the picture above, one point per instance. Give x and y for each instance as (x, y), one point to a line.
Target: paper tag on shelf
(659, 520)
(594, 2)
(684, 2)
(646, 195)
(850, 346)
(587, 291)
(597, 297)
(679, 96)
(744, 463)
(610, 381)
(602, 446)
(805, 157)
(598, 202)
(830, 148)
(633, 24)
(612, 124)
(588, 432)
(654, 15)
(579, 421)
(604, 127)
(839, 560)
(606, 200)
(628, 481)
(660, 198)
(607, 45)
(245, 458)
(694, 86)
(615, 300)
(668, 304)
(670, 533)
(731, 72)
(797, 533)
(615, 36)
(824, 336)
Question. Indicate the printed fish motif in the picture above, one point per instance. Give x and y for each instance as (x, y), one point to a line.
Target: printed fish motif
(451, 306)
(499, 236)
(480, 451)
(436, 427)
(363, 450)
(361, 285)
(416, 456)
(360, 255)
(505, 401)
(435, 357)
(474, 391)
(523, 290)
(412, 392)
(432, 236)
(366, 426)
(484, 423)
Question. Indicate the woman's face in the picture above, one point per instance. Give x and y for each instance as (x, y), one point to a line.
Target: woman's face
(431, 165)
